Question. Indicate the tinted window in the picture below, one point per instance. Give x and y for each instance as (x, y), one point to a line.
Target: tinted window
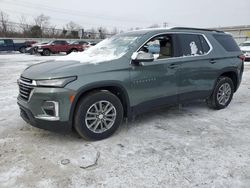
(204, 44)
(227, 42)
(8, 41)
(59, 42)
(191, 45)
(82, 43)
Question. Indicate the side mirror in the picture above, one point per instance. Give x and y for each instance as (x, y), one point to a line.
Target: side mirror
(142, 57)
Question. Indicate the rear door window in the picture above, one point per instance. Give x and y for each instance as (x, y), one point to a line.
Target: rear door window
(193, 45)
(227, 42)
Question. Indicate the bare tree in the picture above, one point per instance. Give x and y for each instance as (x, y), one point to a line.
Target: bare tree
(73, 29)
(114, 31)
(72, 26)
(24, 25)
(102, 31)
(4, 19)
(42, 21)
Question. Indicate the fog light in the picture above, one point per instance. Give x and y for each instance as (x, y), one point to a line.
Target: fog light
(49, 108)
(50, 111)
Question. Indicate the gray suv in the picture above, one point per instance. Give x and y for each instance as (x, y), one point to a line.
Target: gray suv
(128, 74)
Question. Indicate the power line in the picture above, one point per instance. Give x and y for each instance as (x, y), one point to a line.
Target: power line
(75, 12)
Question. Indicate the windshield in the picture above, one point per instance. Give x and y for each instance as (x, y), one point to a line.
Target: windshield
(116, 46)
(107, 50)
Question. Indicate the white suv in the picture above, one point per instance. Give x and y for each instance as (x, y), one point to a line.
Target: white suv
(245, 48)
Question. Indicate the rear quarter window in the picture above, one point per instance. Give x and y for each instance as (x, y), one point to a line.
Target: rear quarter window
(227, 42)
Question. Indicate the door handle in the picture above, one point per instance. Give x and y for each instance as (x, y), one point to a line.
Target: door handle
(173, 66)
(212, 61)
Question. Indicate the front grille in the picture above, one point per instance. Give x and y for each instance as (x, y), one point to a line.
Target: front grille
(25, 88)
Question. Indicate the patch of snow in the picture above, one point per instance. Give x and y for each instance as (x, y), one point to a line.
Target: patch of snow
(9, 178)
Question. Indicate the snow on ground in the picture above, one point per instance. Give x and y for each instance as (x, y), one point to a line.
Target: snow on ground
(188, 146)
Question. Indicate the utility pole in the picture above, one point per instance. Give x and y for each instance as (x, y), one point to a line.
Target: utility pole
(165, 24)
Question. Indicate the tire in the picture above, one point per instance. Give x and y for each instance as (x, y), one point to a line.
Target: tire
(73, 50)
(22, 50)
(92, 123)
(33, 51)
(222, 94)
(46, 52)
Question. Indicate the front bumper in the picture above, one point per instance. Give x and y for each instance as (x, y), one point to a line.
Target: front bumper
(55, 126)
(247, 56)
(32, 110)
(39, 50)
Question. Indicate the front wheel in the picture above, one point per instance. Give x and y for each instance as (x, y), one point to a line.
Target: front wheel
(222, 94)
(46, 52)
(98, 115)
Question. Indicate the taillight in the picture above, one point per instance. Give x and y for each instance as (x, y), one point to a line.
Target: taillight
(242, 57)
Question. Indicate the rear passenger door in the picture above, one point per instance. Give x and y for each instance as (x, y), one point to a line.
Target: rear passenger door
(64, 46)
(196, 70)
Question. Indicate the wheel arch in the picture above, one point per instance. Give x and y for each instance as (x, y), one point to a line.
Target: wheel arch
(113, 87)
(233, 76)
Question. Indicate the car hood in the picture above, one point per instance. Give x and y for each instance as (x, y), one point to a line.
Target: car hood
(57, 69)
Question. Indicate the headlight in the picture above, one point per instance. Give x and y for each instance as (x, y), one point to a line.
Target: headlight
(58, 82)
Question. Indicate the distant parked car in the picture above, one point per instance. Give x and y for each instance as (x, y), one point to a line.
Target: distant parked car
(81, 42)
(245, 48)
(58, 46)
(85, 44)
(30, 42)
(33, 48)
(9, 45)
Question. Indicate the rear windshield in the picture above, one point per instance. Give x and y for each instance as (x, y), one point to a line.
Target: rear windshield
(227, 42)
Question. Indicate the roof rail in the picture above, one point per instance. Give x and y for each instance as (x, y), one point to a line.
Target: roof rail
(198, 29)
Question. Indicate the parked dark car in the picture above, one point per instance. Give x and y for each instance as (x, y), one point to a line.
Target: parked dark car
(58, 46)
(94, 90)
(9, 45)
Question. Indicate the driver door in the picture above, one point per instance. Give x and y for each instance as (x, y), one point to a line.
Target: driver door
(155, 83)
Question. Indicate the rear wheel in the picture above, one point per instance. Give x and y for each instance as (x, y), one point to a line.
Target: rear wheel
(73, 50)
(222, 94)
(98, 115)
(22, 50)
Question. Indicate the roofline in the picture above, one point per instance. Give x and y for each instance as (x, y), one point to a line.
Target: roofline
(197, 29)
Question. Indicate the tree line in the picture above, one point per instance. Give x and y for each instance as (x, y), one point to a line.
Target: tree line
(42, 28)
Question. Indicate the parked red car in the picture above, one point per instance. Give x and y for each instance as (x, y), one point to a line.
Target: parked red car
(58, 46)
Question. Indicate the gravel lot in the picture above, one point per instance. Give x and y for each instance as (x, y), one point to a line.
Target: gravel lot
(188, 146)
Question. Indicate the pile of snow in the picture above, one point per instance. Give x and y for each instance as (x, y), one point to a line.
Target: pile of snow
(91, 56)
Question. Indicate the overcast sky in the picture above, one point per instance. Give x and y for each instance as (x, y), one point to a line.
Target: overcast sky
(133, 13)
